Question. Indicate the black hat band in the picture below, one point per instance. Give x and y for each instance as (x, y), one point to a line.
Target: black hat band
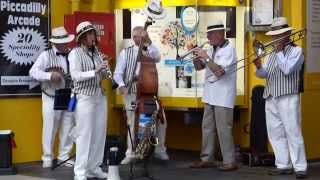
(60, 37)
(85, 29)
(154, 12)
(215, 27)
(279, 27)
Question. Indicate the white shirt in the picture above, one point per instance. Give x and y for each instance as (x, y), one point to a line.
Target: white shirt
(82, 69)
(37, 70)
(152, 51)
(287, 64)
(75, 69)
(221, 92)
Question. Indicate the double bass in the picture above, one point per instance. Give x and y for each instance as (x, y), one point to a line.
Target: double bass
(147, 101)
(147, 84)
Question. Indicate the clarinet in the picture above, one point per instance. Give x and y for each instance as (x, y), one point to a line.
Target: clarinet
(107, 71)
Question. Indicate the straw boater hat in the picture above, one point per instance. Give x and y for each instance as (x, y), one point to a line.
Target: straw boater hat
(218, 25)
(155, 10)
(84, 27)
(60, 35)
(279, 26)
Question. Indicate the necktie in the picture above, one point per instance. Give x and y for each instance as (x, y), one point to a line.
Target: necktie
(213, 52)
(61, 54)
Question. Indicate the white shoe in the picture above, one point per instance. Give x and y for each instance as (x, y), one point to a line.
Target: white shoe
(80, 178)
(47, 164)
(127, 160)
(69, 163)
(162, 156)
(97, 174)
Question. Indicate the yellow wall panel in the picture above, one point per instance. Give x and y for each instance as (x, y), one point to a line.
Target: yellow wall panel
(124, 4)
(218, 2)
(179, 2)
(23, 117)
(101, 6)
(58, 9)
(310, 123)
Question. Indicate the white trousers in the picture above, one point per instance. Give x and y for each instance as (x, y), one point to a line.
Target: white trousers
(52, 121)
(161, 128)
(91, 130)
(283, 118)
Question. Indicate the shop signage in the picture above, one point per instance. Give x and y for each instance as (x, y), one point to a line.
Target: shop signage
(24, 33)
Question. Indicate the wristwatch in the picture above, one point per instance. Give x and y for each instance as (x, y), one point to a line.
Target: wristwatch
(206, 61)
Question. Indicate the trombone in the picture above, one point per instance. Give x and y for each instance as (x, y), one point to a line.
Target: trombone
(261, 50)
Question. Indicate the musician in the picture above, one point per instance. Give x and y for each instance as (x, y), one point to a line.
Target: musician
(122, 75)
(54, 57)
(283, 71)
(87, 71)
(218, 96)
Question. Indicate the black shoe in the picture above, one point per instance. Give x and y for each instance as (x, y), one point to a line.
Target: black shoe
(301, 174)
(277, 171)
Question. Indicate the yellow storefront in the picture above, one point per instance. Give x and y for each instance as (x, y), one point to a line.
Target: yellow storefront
(23, 114)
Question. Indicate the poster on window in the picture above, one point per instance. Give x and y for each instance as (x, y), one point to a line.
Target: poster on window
(177, 77)
(25, 25)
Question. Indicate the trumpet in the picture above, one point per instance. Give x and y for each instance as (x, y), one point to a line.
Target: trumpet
(184, 55)
(107, 71)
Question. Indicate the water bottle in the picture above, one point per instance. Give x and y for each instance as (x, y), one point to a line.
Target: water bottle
(141, 126)
(148, 123)
(144, 123)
